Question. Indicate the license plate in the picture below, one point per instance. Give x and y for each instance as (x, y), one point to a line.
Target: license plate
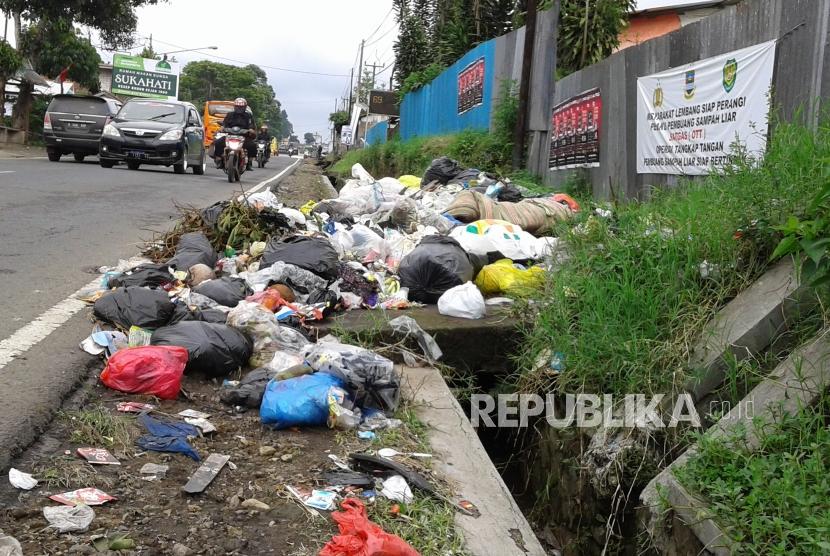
(75, 125)
(136, 154)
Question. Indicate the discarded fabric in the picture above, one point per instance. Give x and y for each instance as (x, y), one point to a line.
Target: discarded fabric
(167, 436)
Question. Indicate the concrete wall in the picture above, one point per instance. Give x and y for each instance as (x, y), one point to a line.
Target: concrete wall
(801, 81)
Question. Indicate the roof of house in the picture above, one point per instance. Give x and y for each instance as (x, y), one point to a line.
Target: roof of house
(657, 5)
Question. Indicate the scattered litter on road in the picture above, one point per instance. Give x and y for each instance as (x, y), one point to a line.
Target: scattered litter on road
(366, 435)
(134, 407)
(9, 546)
(155, 370)
(194, 414)
(391, 453)
(89, 496)
(167, 436)
(153, 471)
(359, 536)
(206, 473)
(321, 500)
(98, 456)
(21, 480)
(68, 519)
(203, 424)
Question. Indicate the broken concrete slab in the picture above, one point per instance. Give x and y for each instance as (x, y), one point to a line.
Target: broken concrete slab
(460, 457)
(747, 325)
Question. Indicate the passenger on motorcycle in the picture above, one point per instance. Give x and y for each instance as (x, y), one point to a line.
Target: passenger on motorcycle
(238, 118)
(264, 136)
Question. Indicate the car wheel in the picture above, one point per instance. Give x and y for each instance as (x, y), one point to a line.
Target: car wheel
(200, 168)
(53, 155)
(107, 164)
(133, 165)
(181, 167)
(79, 157)
(230, 168)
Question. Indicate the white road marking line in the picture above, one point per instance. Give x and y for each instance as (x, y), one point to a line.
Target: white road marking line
(7, 171)
(28, 336)
(31, 334)
(263, 183)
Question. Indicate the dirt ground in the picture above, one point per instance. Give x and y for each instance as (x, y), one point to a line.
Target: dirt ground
(303, 185)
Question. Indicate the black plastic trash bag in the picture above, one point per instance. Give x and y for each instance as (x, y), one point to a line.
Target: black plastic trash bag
(437, 264)
(368, 377)
(193, 248)
(134, 306)
(211, 214)
(214, 349)
(250, 390)
(147, 275)
(327, 298)
(183, 312)
(225, 291)
(441, 170)
(314, 254)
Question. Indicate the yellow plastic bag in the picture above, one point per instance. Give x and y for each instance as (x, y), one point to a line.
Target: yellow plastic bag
(412, 182)
(308, 207)
(502, 277)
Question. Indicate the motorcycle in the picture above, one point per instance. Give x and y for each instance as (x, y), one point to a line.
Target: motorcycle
(235, 157)
(261, 153)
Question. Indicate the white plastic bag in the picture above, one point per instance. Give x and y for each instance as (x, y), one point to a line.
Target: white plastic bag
(463, 301)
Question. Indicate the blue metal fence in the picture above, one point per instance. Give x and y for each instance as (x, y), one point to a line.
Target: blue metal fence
(376, 135)
(433, 109)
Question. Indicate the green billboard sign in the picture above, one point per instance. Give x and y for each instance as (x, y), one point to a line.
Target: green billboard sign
(142, 77)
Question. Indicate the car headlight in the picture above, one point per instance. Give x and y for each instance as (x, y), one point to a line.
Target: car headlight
(172, 135)
(111, 130)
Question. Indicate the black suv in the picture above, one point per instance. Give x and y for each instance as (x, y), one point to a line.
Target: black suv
(156, 132)
(73, 124)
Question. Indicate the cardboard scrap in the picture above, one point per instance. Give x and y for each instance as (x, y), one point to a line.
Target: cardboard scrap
(206, 473)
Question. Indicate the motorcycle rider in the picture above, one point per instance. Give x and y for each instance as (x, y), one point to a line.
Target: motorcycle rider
(240, 117)
(265, 137)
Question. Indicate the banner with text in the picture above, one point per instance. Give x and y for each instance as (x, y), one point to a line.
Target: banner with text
(574, 138)
(142, 77)
(690, 118)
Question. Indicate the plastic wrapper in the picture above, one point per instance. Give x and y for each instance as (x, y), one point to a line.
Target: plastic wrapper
(361, 537)
(342, 417)
(301, 281)
(502, 277)
(135, 306)
(214, 349)
(370, 378)
(464, 301)
(257, 322)
(153, 370)
(408, 326)
(298, 401)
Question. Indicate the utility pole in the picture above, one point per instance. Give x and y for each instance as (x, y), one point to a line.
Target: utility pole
(359, 71)
(351, 89)
(520, 131)
(374, 71)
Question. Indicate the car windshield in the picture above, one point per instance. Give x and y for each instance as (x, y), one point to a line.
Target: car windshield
(152, 111)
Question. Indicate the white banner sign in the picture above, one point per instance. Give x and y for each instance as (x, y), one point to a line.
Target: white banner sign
(689, 118)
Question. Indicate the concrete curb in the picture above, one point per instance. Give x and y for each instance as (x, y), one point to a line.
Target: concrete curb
(460, 458)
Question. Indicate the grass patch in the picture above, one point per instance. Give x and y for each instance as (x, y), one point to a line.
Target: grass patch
(773, 499)
(69, 472)
(632, 299)
(98, 427)
(427, 524)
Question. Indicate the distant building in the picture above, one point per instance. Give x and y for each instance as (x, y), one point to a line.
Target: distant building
(654, 18)
(105, 77)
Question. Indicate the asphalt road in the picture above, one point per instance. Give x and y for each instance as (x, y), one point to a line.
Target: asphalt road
(58, 223)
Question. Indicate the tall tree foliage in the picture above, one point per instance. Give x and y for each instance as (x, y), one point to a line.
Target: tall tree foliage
(10, 62)
(206, 80)
(589, 31)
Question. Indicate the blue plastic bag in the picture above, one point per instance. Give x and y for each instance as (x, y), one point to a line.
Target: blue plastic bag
(298, 401)
(167, 436)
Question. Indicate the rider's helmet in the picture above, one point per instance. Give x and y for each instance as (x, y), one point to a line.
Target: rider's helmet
(263, 127)
(240, 104)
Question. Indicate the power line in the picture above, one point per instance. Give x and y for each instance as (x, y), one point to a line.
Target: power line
(381, 23)
(261, 65)
(380, 37)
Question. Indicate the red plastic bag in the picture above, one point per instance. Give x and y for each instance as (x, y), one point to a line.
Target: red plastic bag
(361, 537)
(155, 370)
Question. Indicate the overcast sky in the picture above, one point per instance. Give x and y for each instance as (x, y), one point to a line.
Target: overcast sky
(310, 35)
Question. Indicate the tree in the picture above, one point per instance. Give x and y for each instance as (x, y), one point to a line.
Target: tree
(10, 62)
(309, 138)
(149, 53)
(413, 50)
(589, 31)
(339, 119)
(206, 80)
(364, 87)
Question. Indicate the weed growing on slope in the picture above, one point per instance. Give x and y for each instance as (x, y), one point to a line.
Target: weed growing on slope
(773, 499)
(638, 288)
